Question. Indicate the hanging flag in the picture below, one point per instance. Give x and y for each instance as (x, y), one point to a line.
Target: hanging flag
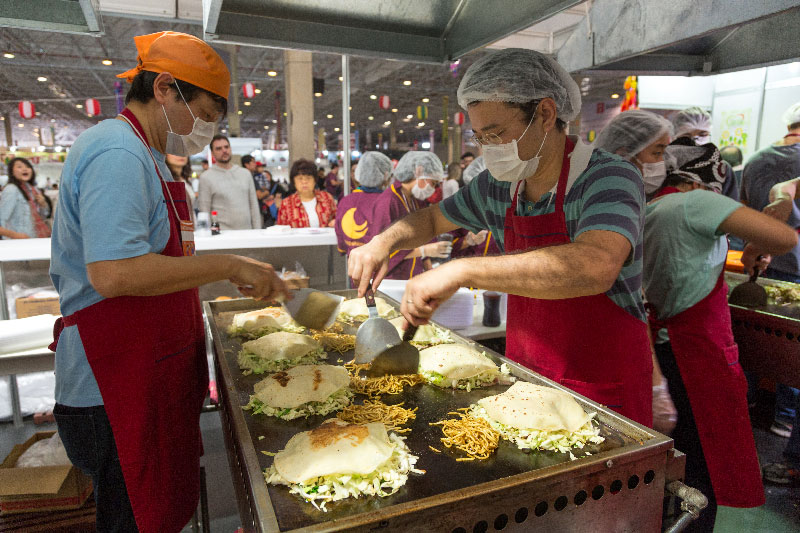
(445, 118)
(119, 96)
(422, 112)
(383, 102)
(92, 107)
(458, 118)
(27, 109)
(249, 90)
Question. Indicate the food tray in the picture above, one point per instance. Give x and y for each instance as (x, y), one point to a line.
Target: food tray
(768, 336)
(619, 487)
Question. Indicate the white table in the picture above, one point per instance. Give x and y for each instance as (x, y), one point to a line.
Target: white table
(23, 362)
(39, 249)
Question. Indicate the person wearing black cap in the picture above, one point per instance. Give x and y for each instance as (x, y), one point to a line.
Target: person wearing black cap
(684, 255)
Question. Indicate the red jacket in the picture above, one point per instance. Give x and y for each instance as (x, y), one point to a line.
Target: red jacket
(292, 212)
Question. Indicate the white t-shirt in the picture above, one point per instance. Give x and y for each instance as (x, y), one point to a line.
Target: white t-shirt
(311, 211)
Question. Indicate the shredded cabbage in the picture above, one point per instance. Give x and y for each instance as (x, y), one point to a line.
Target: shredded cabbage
(486, 378)
(257, 334)
(441, 336)
(557, 441)
(351, 319)
(334, 402)
(251, 363)
(783, 293)
(384, 481)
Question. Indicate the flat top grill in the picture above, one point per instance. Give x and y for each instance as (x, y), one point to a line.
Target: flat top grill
(787, 311)
(445, 478)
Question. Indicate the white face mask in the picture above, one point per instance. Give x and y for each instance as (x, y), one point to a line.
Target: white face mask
(504, 163)
(422, 193)
(654, 175)
(186, 145)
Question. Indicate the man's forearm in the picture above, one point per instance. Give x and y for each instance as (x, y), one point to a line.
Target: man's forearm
(556, 272)
(155, 274)
(411, 231)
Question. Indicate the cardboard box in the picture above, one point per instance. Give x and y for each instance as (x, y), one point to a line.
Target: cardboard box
(41, 488)
(37, 306)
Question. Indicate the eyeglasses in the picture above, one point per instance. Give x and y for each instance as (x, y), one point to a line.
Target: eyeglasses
(488, 138)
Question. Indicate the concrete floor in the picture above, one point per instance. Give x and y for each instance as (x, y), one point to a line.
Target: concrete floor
(780, 514)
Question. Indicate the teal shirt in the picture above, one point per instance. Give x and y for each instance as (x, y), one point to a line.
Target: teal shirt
(684, 249)
(608, 195)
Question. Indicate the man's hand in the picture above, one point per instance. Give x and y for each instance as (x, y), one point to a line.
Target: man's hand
(258, 280)
(473, 239)
(780, 209)
(368, 262)
(426, 292)
(750, 256)
(439, 249)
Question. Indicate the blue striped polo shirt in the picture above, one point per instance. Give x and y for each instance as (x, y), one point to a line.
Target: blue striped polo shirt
(608, 195)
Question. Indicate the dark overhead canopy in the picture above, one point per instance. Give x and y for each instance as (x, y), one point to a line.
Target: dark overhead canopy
(683, 36)
(412, 30)
(66, 16)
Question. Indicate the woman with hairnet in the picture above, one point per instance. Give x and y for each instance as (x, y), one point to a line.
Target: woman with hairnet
(640, 137)
(692, 127)
(354, 225)
(416, 175)
(683, 278)
(569, 219)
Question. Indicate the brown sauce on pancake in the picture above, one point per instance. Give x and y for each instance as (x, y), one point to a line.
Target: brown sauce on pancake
(317, 378)
(327, 434)
(282, 377)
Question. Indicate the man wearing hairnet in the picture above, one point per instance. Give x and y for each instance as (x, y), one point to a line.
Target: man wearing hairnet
(354, 226)
(569, 219)
(692, 127)
(416, 176)
(763, 172)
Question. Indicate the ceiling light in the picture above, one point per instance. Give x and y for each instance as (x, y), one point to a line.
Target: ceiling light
(52, 120)
(317, 94)
(315, 122)
(335, 129)
(394, 110)
(274, 121)
(409, 116)
(285, 114)
(107, 62)
(239, 112)
(329, 116)
(426, 100)
(247, 103)
(8, 55)
(41, 78)
(21, 125)
(441, 121)
(420, 124)
(341, 79)
(258, 91)
(400, 131)
(271, 73)
(79, 106)
(266, 127)
(371, 117)
(407, 83)
(353, 124)
(387, 123)
(615, 95)
(223, 130)
(350, 108)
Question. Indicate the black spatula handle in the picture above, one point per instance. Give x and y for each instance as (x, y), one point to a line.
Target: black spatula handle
(369, 296)
(410, 332)
(756, 271)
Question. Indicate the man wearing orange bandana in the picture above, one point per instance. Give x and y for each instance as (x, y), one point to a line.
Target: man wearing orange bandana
(131, 371)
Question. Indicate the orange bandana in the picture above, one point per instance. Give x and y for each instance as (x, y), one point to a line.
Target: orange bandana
(184, 56)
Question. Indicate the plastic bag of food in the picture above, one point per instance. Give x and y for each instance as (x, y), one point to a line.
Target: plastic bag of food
(46, 452)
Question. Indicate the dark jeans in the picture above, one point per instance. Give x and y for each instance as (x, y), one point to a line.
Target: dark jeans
(687, 439)
(87, 437)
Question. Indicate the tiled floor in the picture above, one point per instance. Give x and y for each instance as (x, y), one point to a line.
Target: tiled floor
(780, 514)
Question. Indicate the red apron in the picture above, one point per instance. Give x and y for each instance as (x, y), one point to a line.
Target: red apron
(708, 360)
(147, 354)
(588, 344)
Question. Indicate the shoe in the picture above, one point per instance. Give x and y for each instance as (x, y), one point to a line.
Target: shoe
(782, 474)
(781, 429)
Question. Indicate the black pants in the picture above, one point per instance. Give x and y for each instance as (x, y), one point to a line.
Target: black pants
(87, 437)
(687, 439)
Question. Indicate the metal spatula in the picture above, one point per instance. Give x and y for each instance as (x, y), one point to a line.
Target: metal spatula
(375, 334)
(749, 293)
(400, 359)
(313, 309)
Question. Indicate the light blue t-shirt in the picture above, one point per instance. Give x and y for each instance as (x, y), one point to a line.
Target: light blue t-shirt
(110, 207)
(684, 250)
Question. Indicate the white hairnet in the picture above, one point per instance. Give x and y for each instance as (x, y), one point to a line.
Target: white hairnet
(419, 164)
(692, 118)
(372, 169)
(792, 115)
(476, 167)
(632, 131)
(518, 75)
